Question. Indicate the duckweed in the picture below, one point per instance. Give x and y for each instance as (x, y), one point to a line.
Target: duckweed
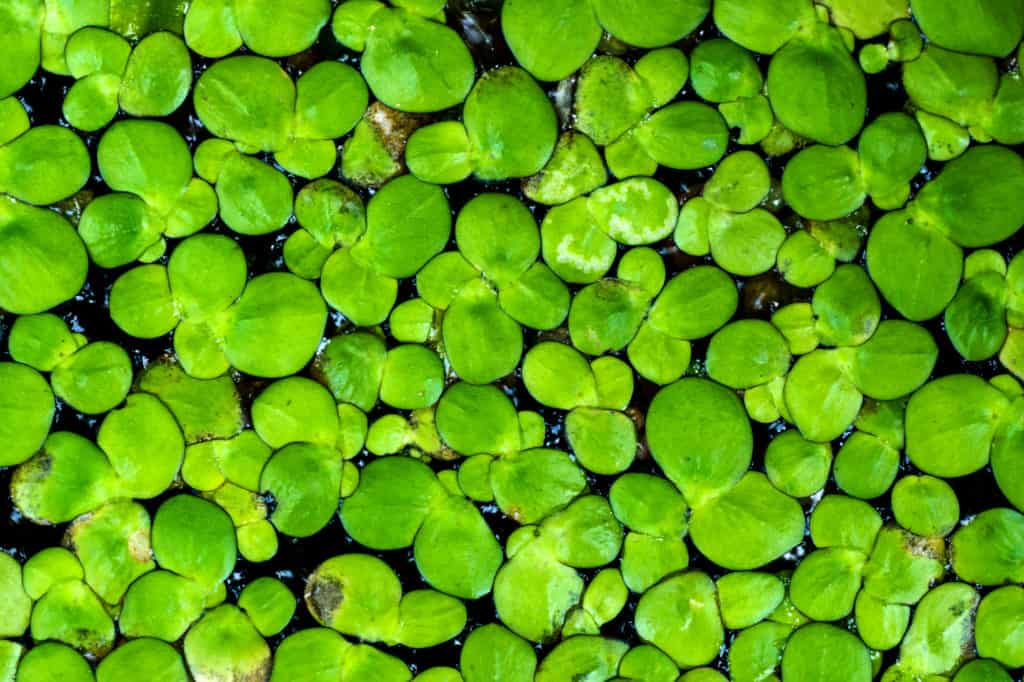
(511, 340)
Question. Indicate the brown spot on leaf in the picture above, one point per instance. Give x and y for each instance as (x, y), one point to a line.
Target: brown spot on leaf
(929, 548)
(138, 546)
(324, 596)
(260, 673)
(393, 127)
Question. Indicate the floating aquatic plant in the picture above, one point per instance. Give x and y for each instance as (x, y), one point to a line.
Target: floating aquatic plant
(502, 341)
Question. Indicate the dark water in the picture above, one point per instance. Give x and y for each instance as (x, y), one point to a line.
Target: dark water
(477, 21)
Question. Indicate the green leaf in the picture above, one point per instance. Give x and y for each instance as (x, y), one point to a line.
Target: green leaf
(998, 619)
(455, 550)
(749, 526)
(492, 652)
(680, 616)
(483, 343)
(50, 658)
(395, 496)
(747, 598)
(972, 203)
(41, 341)
(144, 444)
(113, 546)
(19, 604)
(23, 21)
(796, 466)
(582, 655)
(157, 78)
(44, 165)
(763, 25)
(497, 234)
(553, 40)
(558, 376)
(916, 269)
(951, 423)
(987, 550)
(895, 361)
(278, 29)
(207, 273)
(604, 441)
(149, 159)
(699, 434)
(610, 99)
(205, 408)
(356, 594)
(304, 479)
(70, 612)
(533, 592)
(440, 153)
(532, 484)
(816, 88)
(161, 605)
(650, 23)
(159, 659)
(352, 366)
(695, 303)
(414, 64)
(477, 420)
(276, 326)
(826, 582)
(407, 224)
(747, 353)
(225, 641)
(722, 71)
(26, 412)
(413, 377)
(511, 125)
(95, 379)
(847, 660)
(684, 136)
(824, 183)
(574, 169)
(820, 395)
(254, 198)
(981, 28)
(941, 621)
(249, 100)
(925, 505)
(194, 538)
